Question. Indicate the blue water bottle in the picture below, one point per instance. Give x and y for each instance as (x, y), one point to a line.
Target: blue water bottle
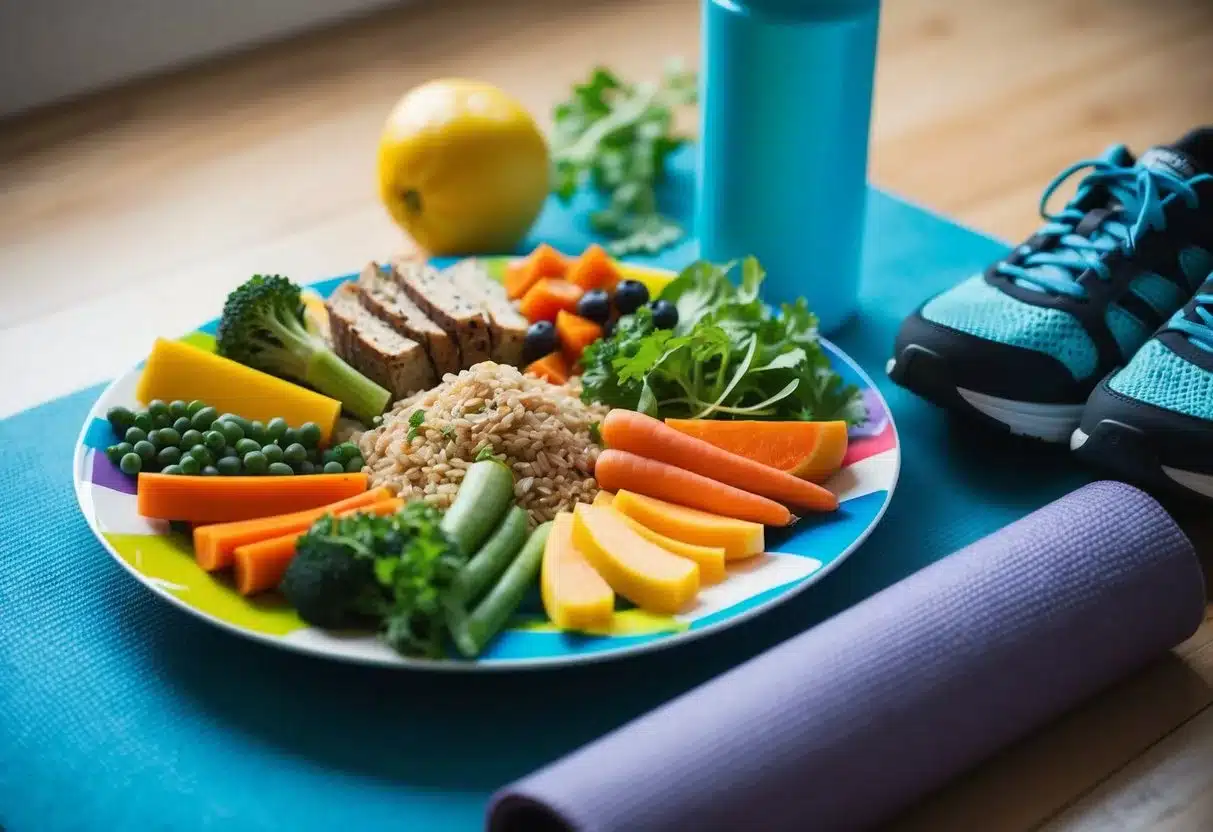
(786, 104)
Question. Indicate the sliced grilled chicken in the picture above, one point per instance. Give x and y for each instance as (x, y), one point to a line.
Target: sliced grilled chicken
(506, 324)
(373, 348)
(382, 295)
(446, 305)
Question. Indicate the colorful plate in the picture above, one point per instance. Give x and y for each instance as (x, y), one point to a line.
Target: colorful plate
(161, 558)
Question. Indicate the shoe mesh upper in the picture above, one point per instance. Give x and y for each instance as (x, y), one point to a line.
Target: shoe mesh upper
(978, 309)
(1129, 332)
(1159, 377)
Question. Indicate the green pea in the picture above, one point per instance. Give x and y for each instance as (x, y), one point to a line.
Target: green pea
(354, 465)
(331, 455)
(172, 470)
(280, 469)
(255, 462)
(165, 437)
(204, 418)
(143, 421)
(190, 466)
(120, 419)
(194, 406)
(346, 451)
(236, 420)
(189, 439)
(246, 446)
(154, 438)
(229, 466)
(210, 471)
(165, 421)
(276, 428)
(334, 467)
(294, 454)
(178, 408)
(256, 432)
(169, 455)
(305, 467)
(181, 425)
(232, 432)
(289, 438)
(314, 456)
(157, 407)
(273, 453)
(200, 453)
(309, 434)
(214, 441)
(130, 464)
(229, 452)
(114, 453)
(146, 450)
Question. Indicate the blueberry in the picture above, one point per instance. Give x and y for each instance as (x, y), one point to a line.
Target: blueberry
(595, 305)
(665, 314)
(630, 295)
(540, 341)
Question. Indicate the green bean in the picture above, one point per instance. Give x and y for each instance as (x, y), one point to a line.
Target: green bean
(493, 556)
(280, 469)
(486, 493)
(473, 632)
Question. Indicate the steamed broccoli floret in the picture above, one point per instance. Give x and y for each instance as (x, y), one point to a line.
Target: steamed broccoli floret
(396, 570)
(262, 327)
(331, 580)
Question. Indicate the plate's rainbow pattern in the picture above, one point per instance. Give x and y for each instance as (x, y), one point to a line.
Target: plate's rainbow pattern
(162, 560)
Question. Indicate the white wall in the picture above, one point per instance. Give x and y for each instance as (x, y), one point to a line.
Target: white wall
(54, 49)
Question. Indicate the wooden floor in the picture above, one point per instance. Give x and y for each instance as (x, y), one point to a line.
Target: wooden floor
(164, 195)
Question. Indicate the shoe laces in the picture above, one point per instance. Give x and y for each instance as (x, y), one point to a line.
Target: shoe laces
(1137, 199)
(1200, 331)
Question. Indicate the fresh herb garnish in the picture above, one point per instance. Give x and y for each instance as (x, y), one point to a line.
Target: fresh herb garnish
(486, 453)
(730, 357)
(416, 423)
(596, 434)
(448, 431)
(618, 135)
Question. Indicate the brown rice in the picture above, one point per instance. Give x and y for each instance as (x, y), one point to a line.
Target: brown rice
(541, 430)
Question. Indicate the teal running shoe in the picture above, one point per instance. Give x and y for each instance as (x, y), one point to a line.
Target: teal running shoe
(1022, 346)
(1152, 422)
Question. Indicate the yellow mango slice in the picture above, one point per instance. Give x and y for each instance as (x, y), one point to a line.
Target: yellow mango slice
(575, 597)
(178, 371)
(738, 538)
(603, 498)
(710, 558)
(644, 573)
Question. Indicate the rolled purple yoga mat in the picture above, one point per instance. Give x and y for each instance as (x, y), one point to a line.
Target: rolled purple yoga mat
(843, 726)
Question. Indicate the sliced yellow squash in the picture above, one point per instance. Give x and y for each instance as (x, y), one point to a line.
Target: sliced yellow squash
(738, 538)
(644, 573)
(575, 597)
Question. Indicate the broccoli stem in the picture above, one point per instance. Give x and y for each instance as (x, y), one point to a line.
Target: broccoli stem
(330, 375)
(473, 632)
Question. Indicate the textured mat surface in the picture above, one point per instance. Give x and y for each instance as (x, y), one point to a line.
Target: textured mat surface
(120, 712)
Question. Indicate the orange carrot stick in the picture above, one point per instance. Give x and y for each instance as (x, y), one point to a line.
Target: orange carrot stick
(627, 430)
(222, 499)
(617, 470)
(214, 543)
(260, 566)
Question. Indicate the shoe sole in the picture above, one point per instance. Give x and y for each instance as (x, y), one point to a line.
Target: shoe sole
(925, 374)
(1125, 451)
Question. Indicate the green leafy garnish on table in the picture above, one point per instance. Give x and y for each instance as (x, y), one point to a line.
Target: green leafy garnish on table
(731, 356)
(618, 136)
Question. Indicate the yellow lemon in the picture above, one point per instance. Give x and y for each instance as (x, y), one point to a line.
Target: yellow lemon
(463, 168)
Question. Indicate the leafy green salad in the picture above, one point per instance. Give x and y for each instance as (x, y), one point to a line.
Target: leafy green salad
(730, 357)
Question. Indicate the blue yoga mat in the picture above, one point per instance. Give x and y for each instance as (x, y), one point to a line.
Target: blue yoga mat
(118, 711)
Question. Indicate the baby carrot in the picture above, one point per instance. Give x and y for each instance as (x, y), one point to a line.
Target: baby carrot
(222, 499)
(260, 566)
(617, 470)
(626, 430)
(214, 543)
